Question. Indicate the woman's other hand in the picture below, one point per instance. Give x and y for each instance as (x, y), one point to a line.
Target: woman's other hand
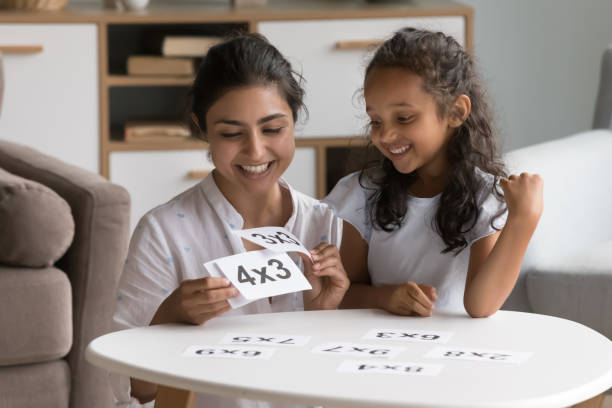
(196, 301)
(327, 277)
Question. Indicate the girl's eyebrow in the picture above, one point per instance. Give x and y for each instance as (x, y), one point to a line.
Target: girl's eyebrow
(394, 105)
(259, 122)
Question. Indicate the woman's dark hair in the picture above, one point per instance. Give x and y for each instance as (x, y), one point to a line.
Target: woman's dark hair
(243, 60)
(447, 71)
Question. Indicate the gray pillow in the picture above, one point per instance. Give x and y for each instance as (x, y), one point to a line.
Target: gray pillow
(36, 224)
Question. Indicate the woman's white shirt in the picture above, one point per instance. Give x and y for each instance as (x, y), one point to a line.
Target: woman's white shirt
(413, 252)
(172, 242)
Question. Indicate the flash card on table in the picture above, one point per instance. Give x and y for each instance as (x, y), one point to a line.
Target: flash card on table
(259, 274)
(277, 239)
(389, 367)
(243, 352)
(264, 339)
(416, 336)
(464, 353)
(362, 350)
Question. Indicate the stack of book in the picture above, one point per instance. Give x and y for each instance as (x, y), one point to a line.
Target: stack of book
(136, 131)
(178, 56)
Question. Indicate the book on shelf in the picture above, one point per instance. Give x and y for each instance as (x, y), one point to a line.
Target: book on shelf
(155, 131)
(157, 65)
(187, 46)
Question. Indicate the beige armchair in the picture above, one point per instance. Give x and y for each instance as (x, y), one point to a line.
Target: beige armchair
(63, 238)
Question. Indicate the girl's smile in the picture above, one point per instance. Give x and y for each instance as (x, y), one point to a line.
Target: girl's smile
(398, 151)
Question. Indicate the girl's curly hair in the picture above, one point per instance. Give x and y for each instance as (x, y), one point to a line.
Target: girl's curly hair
(447, 71)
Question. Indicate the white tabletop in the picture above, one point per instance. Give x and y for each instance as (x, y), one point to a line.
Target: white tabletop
(570, 363)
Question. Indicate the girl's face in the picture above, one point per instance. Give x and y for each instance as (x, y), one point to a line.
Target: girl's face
(250, 135)
(404, 121)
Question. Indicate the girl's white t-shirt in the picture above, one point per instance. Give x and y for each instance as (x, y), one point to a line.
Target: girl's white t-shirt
(413, 251)
(172, 242)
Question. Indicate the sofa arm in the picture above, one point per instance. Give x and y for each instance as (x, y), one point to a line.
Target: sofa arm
(93, 262)
(577, 199)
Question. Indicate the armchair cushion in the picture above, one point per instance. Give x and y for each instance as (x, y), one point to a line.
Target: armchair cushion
(35, 385)
(576, 287)
(37, 223)
(35, 317)
(93, 262)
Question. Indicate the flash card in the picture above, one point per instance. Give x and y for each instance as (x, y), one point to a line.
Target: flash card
(389, 367)
(243, 352)
(276, 239)
(361, 350)
(464, 353)
(410, 335)
(259, 274)
(264, 339)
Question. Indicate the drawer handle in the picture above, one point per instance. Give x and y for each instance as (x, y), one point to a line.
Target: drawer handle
(358, 44)
(198, 174)
(21, 49)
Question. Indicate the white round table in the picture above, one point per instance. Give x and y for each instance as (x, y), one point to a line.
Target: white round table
(570, 363)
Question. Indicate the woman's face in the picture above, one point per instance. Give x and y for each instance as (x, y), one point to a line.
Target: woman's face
(250, 135)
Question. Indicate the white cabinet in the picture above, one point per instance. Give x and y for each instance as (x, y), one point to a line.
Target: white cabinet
(51, 97)
(302, 172)
(152, 178)
(334, 76)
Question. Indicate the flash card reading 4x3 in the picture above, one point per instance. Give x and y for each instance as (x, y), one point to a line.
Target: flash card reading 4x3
(259, 274)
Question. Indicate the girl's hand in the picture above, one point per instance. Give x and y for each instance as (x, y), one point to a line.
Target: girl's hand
(327, 277)
(523, 196)
(411, 299)
(196, 301)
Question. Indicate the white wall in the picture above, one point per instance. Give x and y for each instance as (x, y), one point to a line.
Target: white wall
(540, 60)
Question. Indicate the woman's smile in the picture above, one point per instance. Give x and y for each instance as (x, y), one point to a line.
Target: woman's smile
(256, 171)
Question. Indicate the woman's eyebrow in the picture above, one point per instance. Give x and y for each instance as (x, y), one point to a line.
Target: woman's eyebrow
(270, 117)
(259, 122)
(230, 122)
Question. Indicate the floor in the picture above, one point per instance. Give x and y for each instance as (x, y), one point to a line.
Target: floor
(607, 401)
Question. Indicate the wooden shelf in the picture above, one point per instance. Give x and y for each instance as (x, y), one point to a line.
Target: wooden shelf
(145, 80)
(189, 144)
(184, 12)
(356, 141)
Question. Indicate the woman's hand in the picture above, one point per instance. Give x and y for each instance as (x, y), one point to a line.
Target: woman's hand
(524, 196)
(196, 301)
(326, 276)
(410, 299)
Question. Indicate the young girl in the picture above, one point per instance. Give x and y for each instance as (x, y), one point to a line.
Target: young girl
(246, 101)
(427, 226)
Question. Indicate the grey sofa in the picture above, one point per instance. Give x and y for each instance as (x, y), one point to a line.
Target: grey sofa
(567, 271)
